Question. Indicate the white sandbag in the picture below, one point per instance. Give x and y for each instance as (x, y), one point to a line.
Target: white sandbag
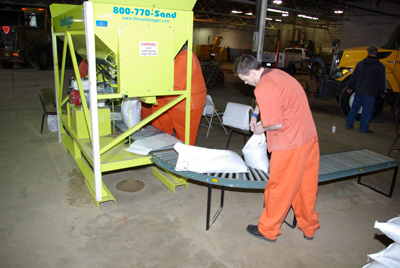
(145, 145)
(374, 264)
(389, 257)
(52, 122)
(130, 111)
(203, 160)
(391, 229)
(255, 153)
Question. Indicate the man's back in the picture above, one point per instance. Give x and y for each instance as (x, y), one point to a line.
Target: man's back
(369, 77)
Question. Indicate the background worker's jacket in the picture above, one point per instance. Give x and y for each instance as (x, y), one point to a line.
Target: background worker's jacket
(369, 77)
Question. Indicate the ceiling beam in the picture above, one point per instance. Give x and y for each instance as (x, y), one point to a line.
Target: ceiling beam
(373, 11)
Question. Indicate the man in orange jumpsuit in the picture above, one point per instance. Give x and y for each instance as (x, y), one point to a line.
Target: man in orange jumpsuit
(292, 138)
(174, 118)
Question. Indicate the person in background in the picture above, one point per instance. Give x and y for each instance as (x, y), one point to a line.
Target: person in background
(292, 138)
(367, 80)
(174, 118)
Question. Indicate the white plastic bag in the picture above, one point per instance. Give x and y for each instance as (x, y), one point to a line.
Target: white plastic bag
(391, 228)
(389, 257)
(52, 122)
(374, 264)
(130, 111)
(145, 145)
(203, 160)
(255, 153)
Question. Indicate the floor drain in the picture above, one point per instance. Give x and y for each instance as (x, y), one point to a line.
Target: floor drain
(130, 185)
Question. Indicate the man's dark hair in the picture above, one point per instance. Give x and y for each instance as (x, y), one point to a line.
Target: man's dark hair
(244, 64)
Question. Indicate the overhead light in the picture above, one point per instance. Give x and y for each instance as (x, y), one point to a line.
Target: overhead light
(249, 13)
(278, 20)
(278, 2)
(268, 18)
(338, 11)
(236, 11)
(275, 10)
(307, 17)
(284, 13)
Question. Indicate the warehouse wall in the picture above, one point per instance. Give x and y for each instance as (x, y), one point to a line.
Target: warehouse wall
(366, 28)
(321, 37)
(362, 29)
(237, 40)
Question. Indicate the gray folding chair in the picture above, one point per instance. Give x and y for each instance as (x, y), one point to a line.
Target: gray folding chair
(209, 113)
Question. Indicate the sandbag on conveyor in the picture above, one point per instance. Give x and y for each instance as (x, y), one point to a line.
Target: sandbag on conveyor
(203, 160)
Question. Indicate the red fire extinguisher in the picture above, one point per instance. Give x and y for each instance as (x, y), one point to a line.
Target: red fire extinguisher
(75, 97)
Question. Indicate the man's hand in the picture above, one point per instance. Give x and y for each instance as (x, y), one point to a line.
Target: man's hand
(259, 129)
(349, 91)
(383, 95)
(253, 123)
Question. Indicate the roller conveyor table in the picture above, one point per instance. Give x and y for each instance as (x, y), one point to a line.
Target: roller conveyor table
(332, 166)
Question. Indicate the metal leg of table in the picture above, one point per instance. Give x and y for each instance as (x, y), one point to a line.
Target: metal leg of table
(378, 191)
(229, 138)
(238, 131)
(294, 224)
(208, 225)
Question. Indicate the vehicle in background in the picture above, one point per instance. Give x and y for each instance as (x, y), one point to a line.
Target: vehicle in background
(269, 59)
(344, 62)
(212, 52)
(28, 42)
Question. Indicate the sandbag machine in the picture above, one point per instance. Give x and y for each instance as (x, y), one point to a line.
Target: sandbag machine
(130, 46)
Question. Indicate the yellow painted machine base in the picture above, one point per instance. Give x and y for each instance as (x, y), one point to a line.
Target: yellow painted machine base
(170, 180)
(88, 175)
(110, 197)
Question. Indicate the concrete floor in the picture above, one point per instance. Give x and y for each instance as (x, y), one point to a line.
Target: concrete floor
(48, 219)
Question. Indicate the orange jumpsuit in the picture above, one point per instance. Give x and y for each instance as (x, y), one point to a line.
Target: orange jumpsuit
(174, 118)
(83, 68)
(145, 111)
(294, 161)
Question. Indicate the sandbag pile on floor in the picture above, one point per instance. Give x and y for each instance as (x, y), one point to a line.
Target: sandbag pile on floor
(390, 256)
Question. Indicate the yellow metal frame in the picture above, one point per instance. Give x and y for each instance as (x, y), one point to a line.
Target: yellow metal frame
(115, 35)
(170, 180)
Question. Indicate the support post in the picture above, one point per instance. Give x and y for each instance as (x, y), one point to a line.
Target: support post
(261, 29)
(90, 48)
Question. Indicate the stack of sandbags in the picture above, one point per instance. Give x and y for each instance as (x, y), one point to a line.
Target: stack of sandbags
(389, 257)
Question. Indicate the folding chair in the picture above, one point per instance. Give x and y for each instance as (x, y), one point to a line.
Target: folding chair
(47, 97)
(209, 112)
(237, 116)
